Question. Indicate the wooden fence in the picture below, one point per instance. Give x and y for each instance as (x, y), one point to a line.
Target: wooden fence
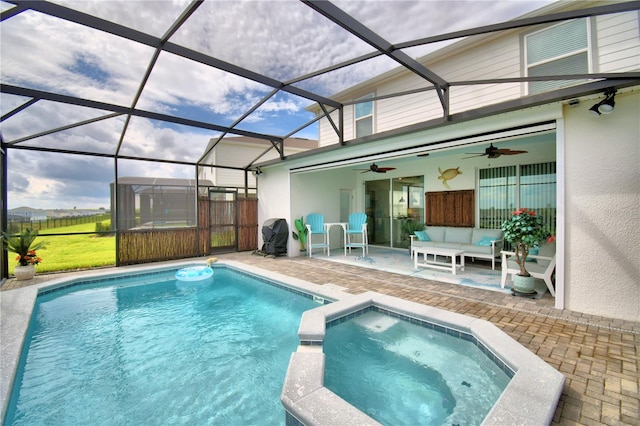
(17, 226)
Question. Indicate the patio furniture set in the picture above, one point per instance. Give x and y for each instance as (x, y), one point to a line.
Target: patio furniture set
(355, 227)
(452, 243)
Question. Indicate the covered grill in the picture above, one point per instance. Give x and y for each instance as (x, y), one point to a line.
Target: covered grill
(275, 234)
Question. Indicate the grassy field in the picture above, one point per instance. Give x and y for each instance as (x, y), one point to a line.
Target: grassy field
(70, 252)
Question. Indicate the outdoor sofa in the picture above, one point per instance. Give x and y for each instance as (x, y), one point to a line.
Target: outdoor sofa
(475, 242)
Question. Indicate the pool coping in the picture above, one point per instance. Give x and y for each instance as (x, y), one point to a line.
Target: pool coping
(533, 392)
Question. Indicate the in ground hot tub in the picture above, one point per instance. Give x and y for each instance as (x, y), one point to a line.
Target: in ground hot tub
(530, 396)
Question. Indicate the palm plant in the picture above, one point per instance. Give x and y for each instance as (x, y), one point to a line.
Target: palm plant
(24, 246)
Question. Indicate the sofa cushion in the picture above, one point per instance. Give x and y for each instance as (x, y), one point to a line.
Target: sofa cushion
(456, 246)
(436, 233)
(547, 249)
(458, 235)
(472, 249)
(534, 251)
(478, 234)
(418, 243)
(484, 241)
(422, 235)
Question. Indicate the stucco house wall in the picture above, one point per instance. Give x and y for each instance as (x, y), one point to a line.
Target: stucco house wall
(602, 173)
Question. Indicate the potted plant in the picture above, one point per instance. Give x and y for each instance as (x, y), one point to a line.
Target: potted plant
(301, 235)
(524, 230)
(410, 226)
(25, 247)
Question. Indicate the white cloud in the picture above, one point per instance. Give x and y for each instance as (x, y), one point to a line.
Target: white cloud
(281, 39)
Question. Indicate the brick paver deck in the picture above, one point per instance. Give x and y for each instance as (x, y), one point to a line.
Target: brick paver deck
(599, 356)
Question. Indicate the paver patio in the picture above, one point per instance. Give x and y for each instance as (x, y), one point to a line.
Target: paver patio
(599, 356)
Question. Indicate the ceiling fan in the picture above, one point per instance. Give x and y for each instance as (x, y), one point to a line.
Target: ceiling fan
(493, 152)
(375, 169)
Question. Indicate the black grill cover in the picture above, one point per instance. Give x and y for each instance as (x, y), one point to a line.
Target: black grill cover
(275, 234)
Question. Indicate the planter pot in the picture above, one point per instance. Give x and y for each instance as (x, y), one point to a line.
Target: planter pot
(24, 272)
(524, 284)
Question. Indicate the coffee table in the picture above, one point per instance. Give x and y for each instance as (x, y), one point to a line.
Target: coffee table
(436, 251)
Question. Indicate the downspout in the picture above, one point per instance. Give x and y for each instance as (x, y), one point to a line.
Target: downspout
(561, 214)
(116, 213)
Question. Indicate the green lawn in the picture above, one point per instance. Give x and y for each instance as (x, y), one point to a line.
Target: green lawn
(69, 252)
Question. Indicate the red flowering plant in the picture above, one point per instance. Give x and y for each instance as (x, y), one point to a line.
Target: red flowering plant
(524, 230)
(24, 246)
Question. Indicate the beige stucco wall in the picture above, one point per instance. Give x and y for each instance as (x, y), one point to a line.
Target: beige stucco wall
(602, 172)
(290, 196)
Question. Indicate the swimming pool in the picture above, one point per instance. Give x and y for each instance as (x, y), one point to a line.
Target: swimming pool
(304, 397)
(156, 350)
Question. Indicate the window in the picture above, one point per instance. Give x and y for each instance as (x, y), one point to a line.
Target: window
(561, 49)
(505, 189)
(364, 117)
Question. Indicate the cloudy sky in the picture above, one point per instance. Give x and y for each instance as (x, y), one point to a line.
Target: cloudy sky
(282, 40)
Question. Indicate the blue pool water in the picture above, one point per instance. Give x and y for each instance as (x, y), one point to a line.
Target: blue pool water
(134, 352)
(401, 373)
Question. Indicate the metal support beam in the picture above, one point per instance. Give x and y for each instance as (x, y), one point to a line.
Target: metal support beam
(339, 17)
(55, 97)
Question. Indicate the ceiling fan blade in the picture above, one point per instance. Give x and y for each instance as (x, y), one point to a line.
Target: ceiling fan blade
(475, 154)
(507, 151)
(384, 169)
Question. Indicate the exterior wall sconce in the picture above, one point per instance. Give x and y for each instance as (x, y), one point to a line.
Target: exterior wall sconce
(606, 105)
(257, 171)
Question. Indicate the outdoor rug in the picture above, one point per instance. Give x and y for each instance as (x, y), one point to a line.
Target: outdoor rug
(398, 261)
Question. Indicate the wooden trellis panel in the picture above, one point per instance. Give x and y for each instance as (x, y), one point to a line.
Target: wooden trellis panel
(247, 224)
(141, 246)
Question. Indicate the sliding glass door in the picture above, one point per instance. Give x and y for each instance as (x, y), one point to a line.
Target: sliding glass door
(378, 208)
(392, 206)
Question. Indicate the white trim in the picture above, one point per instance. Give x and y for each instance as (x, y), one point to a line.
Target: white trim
(560, 213)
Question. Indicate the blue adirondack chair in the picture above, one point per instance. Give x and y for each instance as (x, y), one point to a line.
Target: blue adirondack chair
(315, 226)
(357, 226)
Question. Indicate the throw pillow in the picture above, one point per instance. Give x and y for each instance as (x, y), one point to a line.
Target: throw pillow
(485, 241)
(422, 235)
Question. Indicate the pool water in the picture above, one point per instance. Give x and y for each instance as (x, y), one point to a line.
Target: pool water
(166, 352)
(401, 373)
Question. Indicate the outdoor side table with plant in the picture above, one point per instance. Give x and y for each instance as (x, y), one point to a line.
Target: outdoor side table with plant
(25, 246)
(524, 230)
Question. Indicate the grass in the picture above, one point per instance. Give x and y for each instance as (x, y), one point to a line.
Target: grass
(70, 252)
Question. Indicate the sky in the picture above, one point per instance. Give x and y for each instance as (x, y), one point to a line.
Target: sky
(281, 39)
